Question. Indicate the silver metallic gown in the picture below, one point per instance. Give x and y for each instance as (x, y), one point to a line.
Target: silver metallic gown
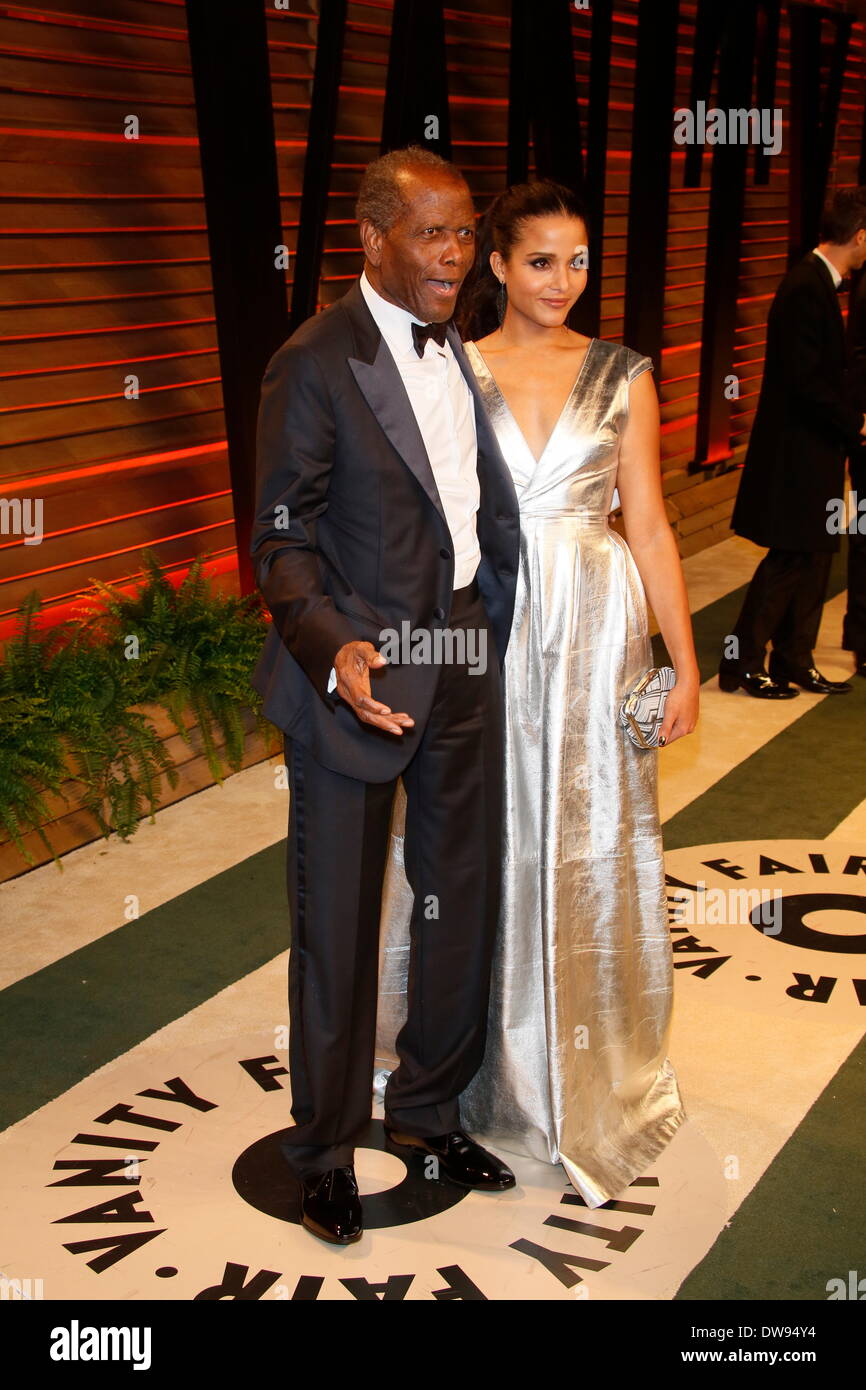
(576, 1067)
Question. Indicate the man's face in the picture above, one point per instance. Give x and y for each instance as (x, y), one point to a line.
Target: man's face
(858, 252)
(421, 262)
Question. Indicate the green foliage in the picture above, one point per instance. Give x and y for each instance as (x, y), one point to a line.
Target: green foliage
(187, 647)
(68, 697)
(31, 750)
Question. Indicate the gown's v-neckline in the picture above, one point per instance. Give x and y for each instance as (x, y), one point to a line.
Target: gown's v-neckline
(536, 462)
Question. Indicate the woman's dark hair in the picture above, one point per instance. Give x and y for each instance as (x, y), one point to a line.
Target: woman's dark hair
(498, 230)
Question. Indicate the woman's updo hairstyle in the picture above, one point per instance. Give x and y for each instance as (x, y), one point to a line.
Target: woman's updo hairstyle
(498, 230)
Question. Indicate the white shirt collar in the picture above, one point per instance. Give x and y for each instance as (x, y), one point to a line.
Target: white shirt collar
(837, 278)
(393, 322)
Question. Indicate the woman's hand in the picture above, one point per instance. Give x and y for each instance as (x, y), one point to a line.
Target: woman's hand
(681, 709)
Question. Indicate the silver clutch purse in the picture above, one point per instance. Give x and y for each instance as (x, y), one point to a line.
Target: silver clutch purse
(643, 709)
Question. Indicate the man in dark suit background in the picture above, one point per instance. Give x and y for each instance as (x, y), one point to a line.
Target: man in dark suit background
(854, 625)
(804, 426)
(382, 498)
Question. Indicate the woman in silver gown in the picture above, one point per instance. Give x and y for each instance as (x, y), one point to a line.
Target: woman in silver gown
(576, 1068)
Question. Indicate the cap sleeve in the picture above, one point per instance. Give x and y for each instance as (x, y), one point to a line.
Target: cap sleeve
(635, 364)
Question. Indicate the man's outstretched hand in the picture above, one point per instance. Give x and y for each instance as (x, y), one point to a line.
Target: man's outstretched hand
(352, 668)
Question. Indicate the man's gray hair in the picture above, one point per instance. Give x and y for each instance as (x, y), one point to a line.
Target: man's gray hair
(379, 197)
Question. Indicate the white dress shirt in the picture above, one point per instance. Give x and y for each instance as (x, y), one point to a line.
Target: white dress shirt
(837, 276)
(444, 408)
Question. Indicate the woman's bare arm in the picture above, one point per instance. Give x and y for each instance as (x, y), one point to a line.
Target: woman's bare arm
(653, 545)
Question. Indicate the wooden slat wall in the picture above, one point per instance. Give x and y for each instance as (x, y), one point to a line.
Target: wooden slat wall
(104, 272)
(104, 263)
(358, 132)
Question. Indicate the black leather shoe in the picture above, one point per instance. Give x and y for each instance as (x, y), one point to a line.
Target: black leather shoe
(331, 1207)
(756, 683)
(460, 1159)
(809, 678)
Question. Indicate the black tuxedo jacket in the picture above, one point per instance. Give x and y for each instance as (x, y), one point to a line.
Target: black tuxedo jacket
(805, 423)
(857, 345)
(349, 536)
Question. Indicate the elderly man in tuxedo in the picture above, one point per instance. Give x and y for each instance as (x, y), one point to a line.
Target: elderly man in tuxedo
(382, 499)
(804, 427)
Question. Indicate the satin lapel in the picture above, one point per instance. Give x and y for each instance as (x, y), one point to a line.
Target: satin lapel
(383, 389)
(380, 383)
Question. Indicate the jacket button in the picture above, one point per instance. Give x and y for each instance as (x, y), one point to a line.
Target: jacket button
(439, 613)
(446, 554)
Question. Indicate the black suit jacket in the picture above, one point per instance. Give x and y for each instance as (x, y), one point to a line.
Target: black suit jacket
(805, 423)
(349, 536)
(857, 345)
(857, 377)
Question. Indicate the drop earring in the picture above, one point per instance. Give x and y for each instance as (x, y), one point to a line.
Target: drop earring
(501, 301)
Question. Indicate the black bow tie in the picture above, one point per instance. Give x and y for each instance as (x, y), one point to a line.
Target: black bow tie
(422, 331)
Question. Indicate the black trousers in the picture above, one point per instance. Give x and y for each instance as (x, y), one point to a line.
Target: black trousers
(854, 626)
(783, 605)
(337, 846)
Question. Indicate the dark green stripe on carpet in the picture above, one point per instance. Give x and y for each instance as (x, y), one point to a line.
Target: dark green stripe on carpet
(65, 1021)
(797, 786)
(75, 1015)
(804, 1222)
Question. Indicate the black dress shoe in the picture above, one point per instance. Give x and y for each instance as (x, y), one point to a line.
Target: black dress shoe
(460, 1159)
(809, 678)
(756, 683)
(331, 1207)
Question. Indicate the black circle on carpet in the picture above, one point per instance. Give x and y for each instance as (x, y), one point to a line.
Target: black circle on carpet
(261, 1177)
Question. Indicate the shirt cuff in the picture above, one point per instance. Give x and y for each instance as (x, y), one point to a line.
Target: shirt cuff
(332, 681)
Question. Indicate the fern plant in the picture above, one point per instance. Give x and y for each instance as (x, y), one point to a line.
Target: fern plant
(31, 748)
(117, 755)
(68, 697)
(59, 698)
(186, 647)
